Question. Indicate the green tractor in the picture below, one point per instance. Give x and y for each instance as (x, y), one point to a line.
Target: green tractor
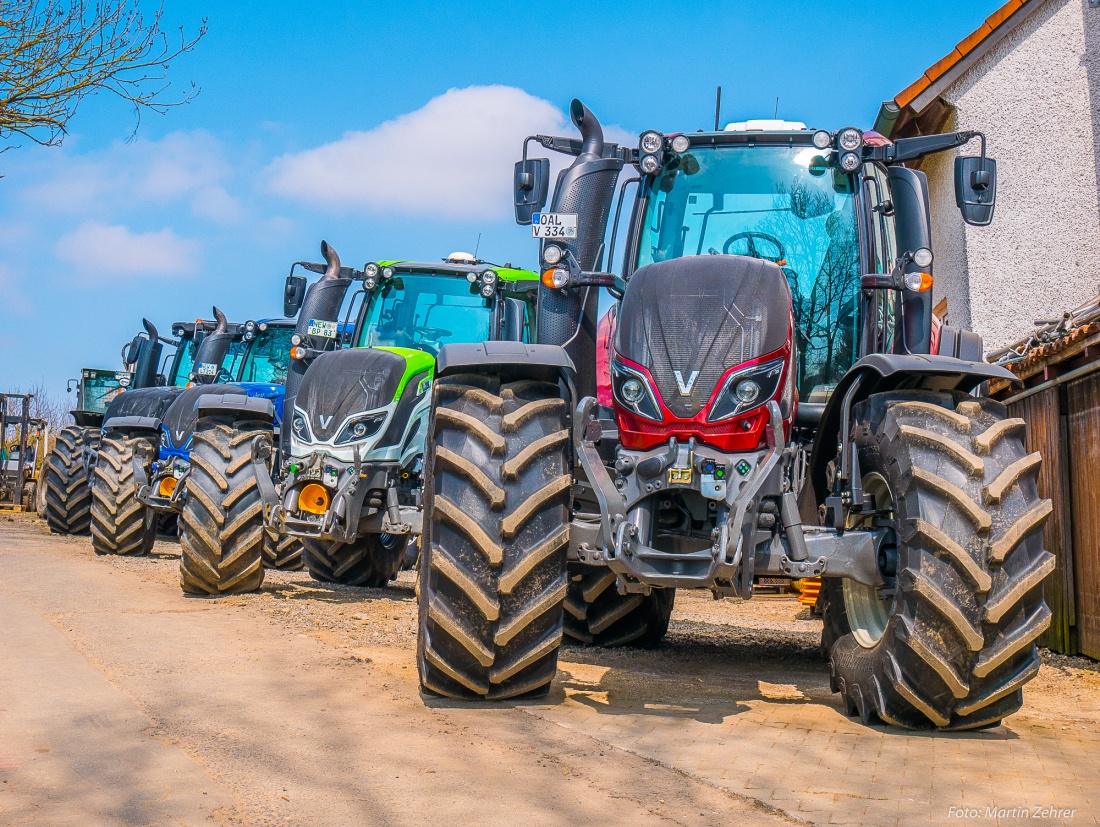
(352, 482)
(66, 497)
(773, 399)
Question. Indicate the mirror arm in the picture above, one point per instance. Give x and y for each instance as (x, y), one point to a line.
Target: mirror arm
(910, 149)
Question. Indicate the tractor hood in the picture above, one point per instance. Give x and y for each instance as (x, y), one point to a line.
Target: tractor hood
(146, 402)
(688, 320)
(342, 383)
(179, 420)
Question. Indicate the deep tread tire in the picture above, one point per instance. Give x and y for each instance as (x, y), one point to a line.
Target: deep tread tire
(370, 561)
(597, 615)
(121, 523)
(68, 481)
(221, 523)
(960, 641)
(492, 573)
(282, 552)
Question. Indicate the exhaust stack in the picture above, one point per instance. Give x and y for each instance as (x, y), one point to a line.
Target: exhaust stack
(145, 369)
(322, 302)
(586, 188)
(211, 352)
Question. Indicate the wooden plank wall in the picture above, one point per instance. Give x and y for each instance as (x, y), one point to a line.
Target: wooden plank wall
(1045, 433)
(1083, 447)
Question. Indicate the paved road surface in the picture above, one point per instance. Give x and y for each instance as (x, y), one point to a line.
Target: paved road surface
(123, 702)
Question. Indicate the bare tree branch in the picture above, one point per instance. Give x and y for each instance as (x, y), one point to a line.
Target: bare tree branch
(54, 53)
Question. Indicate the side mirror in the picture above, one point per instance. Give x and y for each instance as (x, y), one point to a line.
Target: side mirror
(514, 312)
(532, 183)
(293, 295)
(133, 350)
(976, 189)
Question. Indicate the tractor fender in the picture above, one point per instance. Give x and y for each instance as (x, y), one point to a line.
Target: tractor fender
(88, 419)
(236, 405)
(512, 359)
(131, 424)
(881, 373)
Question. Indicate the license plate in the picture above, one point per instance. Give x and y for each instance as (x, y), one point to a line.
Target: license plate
(207, 369)
(319, 327)
(561, 225)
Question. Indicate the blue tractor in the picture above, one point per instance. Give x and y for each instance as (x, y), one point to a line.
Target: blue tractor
(144, 454)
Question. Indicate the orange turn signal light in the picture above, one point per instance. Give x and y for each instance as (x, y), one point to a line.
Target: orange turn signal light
(167, 486)
(298, 353)
(313, 498)
(918, 282)
(555, 277)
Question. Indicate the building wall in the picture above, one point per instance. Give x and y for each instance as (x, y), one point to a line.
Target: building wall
(1032, 95)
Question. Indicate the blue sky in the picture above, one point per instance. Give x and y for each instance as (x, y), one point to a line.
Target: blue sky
(390, 130)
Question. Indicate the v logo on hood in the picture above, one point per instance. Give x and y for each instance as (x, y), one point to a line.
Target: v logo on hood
(324, 420)
(685, 387)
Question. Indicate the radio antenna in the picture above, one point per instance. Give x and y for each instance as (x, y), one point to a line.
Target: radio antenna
(718, 110)
(477, 246)
(776, 115)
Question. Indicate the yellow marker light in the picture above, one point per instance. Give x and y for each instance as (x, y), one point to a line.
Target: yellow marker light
(313, 499)
(167, 486)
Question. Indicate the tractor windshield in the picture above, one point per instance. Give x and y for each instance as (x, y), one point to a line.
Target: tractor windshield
(426, 312)
(268, 357)
(100, 387)
(183, 362)
(778, 203)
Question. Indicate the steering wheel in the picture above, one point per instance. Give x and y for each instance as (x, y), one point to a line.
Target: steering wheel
(432, 335)
(750, 240)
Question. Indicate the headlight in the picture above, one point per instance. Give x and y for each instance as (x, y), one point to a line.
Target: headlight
(488, 276)
(849, 139)
(263, 326)
(651, 141)
(370, 283)
(372, 270)
(250, 325)
(850, 161)
(361, 427)
(300, 427)
(552, 254)
(822, 139)
(681, 143)
(747, 389)
(650, 164)
(633, 392)
(387, 272)
(295, 339)
(487, 290)
(471, 277)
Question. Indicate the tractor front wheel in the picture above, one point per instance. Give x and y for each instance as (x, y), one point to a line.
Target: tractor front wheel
(597, 615)
(371, 561)
(121, 523)
(221, 524)
(496, 530)
(67, 480)
(950, 640)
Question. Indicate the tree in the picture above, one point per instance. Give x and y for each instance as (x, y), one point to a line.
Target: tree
(54, 53)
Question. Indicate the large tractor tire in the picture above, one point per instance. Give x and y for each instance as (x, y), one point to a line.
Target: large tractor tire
(282, 552)
(221, 523)
(597, 615)
(67, 476)
(953, 643)
(121, 523)
(372, 561)
(492, 572)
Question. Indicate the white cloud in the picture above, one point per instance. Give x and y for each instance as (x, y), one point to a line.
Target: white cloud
(104, 253)
(218, 205)
(453, 156)
(159, 172)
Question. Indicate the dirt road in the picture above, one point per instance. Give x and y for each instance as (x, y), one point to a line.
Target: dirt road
(123, 702)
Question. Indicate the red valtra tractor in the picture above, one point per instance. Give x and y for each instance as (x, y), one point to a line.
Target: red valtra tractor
(775, 409)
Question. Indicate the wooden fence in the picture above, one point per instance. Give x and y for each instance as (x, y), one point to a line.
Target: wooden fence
(1060, 402)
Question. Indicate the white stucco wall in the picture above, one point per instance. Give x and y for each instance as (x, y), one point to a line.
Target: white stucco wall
(1033, 96)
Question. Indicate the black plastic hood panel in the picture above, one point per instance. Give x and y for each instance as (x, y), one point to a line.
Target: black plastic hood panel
(181, 417)
(690, 319)
(147, 402)
(344, 382)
